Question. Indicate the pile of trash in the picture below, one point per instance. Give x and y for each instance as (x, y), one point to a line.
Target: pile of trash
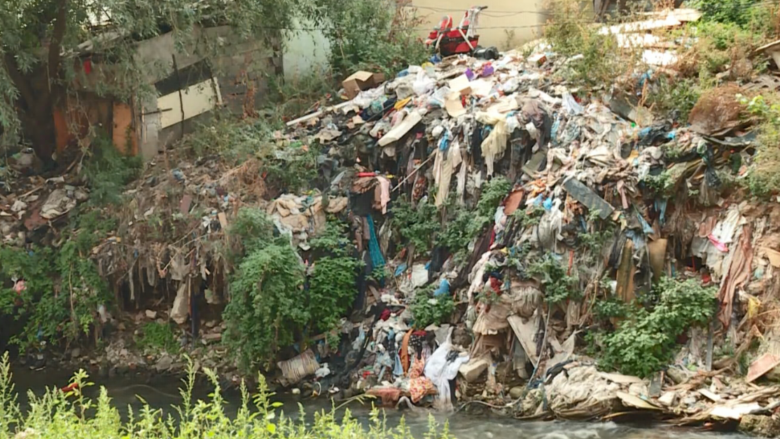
(441, 133)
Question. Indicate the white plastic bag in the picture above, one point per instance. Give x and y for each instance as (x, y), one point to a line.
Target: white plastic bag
(440, 372)
(423, 84)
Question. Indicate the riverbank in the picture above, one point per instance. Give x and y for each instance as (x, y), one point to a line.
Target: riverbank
(463, 425)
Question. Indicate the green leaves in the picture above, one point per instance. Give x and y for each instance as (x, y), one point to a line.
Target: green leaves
(428, 310)
(646, 341)
(270, 306)
(416, 225)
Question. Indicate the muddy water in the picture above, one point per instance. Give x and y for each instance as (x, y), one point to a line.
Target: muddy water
(162, 393)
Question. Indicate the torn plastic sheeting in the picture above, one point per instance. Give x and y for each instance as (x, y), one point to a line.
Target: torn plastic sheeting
(525, 331)
(298, 368)
(590, 199)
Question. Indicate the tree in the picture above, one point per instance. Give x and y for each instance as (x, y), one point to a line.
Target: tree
(40, 41)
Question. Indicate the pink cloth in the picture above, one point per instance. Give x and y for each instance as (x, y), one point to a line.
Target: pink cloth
(384, 185)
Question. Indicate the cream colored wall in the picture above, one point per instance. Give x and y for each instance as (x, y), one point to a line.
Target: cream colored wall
(521, 16)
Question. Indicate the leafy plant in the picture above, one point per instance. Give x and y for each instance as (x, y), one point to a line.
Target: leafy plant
(764, 178)
(558, 286)
(265, 309)
(107, 172)
(428, 310)
(158, 337)
(56, 413)
(646, 340)
(374, 35)
(417, 226)
(332, 287)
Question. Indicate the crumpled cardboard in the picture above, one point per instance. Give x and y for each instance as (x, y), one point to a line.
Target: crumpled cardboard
(361, 80)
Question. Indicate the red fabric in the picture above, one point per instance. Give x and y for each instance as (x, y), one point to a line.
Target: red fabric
(495, 284)
(385, 315)
(70, 388)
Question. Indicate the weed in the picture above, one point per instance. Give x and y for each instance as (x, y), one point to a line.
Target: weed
(646, 340)
(428, 310)
(558, 286)
(764, 178)
(158, 337)
(374, 35)
(56, 413)
(598, 58)
(107, 172)
(417, 226)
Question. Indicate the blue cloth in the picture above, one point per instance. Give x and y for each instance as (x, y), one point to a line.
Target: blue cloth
(444, 143)
(660, 206)
(400, 270)
(444, 288)
(377, 260)
(645, 225)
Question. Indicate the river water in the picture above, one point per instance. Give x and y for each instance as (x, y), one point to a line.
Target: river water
(162, 393)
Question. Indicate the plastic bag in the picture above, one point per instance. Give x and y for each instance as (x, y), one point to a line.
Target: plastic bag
(423, 84)
(440, 371)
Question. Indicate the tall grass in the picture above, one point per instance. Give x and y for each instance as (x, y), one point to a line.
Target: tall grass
(57, 415)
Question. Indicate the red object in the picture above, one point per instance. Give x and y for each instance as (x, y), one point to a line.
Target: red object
(366, 174)
(87, 66)
(462, 39)
(385, 315)
(70, 388)
(495, 284)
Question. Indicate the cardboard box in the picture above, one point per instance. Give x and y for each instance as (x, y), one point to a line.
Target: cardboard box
(460, 85)
(361, 81)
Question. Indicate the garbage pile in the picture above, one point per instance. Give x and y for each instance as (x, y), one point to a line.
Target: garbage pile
(578, 163)
(574, 158)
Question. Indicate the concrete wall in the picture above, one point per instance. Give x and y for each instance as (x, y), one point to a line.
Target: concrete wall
(523, 17)
(304, 51)
(235, 79)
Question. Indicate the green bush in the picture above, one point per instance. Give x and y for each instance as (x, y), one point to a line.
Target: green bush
(270, 305)
(428, 310)
(332, 286)
(107, 172)
(374, 35)
(764, 178)
(646, 341)
(739, 12)
(158, 337)
(558, 286)
(58, 415)
(416, 225)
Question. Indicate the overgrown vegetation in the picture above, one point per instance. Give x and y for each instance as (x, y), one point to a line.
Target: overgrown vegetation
(57, 414)
(417, 225)
(764, 179)
(599, 59)
(55, 292)
(373, 35)
(429, 310)
(646, 340)
(271, 305)
(559, 287)
(158, 337)
(107, 172)
(332, 287)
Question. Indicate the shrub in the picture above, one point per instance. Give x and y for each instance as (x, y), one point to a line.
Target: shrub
(428, 310)
(158, 337)
(416, 225)
(271, 306)
(374, 35)
(646, 341)
(107, 172)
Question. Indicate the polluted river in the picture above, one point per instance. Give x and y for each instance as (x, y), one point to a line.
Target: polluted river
(163, 393)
